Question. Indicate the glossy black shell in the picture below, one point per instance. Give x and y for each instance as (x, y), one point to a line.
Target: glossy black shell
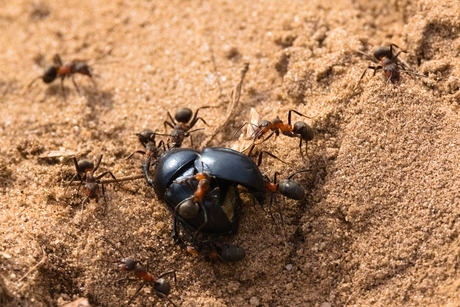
(227, 168)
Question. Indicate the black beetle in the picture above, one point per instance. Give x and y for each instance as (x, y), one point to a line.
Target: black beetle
(176, 182)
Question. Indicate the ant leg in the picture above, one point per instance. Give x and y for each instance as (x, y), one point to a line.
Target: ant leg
(296, 112)
(170, 124)
(57, 60)
(168, 273)
(259, 160)
(132, 154)
(97, 164)
(196, 118)
(269, 136)
(75, 84)
(63, 88)
(306, 149)
(105, 173)
(205, 221)
(134, 295)
(145, 167)
(33, 81)
(241, 127)
(166, 123)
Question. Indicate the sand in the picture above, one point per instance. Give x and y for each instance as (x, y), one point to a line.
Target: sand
(380, 224)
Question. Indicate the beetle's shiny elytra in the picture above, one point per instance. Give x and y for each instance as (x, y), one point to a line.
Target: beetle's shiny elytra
(174, 183)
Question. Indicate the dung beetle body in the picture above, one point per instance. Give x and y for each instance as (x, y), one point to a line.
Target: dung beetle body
(176, 181)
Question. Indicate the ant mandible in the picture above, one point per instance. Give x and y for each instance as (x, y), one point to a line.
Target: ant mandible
(85, 170)
(300, 129)
(186, 120)
(161, 286)
(61, 70)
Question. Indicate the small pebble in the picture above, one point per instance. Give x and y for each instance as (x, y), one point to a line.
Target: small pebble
(289, 267)
(254, 301)
(289, 286)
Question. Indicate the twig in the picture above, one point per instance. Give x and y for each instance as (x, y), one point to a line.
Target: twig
(135, 177)
(236, 93)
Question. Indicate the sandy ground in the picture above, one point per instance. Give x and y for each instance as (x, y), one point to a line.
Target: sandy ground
(380, 225)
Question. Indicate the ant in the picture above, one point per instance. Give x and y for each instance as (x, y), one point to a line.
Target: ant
(389, 62)
(190, 207)
(300, 129)
(85, 172)
(287, 187)
(228, 253)
(161, 286)
(147, 138)
(186, 120)
(61, 70)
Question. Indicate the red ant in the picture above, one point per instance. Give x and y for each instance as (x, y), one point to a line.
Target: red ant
(181, 128)
(190, 207)
(61, 70)
(161, 286)
(85, 172)
(147, 139)
(389, 63)
(287, 187)
(300, 129)
(228, 253)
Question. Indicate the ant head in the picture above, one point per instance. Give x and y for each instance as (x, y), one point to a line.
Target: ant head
(177, 137)
(85, 166)
(291, 189)
(127, 264)
(183, 115)
(383, 52)
(305, 131)
(50, 74)
(264, 123)
(162, 287)
(188, 209)
(83, 68)
(146, 135)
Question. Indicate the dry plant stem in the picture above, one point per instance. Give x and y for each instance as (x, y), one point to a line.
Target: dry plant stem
(73, 183)
(236, 93)
(34, 267)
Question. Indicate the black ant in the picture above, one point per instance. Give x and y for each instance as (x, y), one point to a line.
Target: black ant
(85, 173)
(186, 120)
(389, 62)
(300, 129)
(161, 286)
(61, 70)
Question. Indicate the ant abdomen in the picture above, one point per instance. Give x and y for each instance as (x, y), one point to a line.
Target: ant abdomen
(183, 115)
(291, 189)
(232, 253)
(163, 287)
